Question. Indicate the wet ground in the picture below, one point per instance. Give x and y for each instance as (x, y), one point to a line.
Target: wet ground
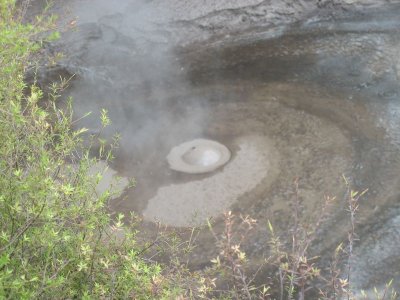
(303, 94)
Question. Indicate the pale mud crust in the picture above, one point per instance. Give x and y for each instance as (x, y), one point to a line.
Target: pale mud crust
(109, 180)
(192, 203)
(274, 143)
(106, 178)
(198, 156)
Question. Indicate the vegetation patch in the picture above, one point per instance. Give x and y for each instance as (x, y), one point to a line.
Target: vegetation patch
(57, 238)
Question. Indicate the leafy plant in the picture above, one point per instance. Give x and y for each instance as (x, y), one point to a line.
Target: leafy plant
(294, 273)
(57, 238)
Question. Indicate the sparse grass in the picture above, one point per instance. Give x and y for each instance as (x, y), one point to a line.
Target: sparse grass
(296, 275)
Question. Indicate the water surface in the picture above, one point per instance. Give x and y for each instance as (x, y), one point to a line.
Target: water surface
(314, 100)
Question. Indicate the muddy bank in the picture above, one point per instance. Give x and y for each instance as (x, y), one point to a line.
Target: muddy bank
(185, 21)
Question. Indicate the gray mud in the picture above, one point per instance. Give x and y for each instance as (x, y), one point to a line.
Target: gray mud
(295, 89)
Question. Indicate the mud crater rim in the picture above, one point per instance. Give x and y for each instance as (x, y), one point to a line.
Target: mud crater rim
(198, 156)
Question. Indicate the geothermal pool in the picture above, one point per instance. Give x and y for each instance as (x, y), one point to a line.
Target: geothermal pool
(312, 95)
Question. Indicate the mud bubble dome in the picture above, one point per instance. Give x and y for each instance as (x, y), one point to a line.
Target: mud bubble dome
(198, 156)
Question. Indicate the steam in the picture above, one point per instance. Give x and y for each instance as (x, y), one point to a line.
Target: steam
(125, 63)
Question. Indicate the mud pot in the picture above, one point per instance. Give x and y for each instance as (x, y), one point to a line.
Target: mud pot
(293, 91)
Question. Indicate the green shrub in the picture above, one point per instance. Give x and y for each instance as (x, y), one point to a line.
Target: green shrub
(57, 239)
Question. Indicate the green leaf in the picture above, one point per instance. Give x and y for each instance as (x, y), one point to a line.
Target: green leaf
(271, 229)
(4, 259)
(54, 36)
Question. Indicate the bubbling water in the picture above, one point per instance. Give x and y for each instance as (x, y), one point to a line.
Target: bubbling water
(202, 156)
(198, 156)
